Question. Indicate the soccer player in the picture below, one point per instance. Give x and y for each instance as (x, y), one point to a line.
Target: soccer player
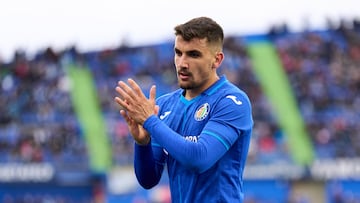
(200, 131)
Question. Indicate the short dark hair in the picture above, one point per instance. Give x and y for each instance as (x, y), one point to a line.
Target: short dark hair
(201, 27)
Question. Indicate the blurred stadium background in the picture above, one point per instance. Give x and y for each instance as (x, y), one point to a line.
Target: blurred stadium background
(63, 140)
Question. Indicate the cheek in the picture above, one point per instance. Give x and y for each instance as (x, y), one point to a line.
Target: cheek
(200, 72)
(177, 61)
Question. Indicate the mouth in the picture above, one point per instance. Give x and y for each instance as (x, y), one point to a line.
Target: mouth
(184, 75)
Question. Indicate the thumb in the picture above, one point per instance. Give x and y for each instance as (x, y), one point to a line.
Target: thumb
(152, 94)
(156, 112)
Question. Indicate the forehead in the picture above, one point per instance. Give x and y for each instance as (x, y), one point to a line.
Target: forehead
(193, 44)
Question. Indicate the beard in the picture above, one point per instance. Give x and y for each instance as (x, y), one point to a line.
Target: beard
(190, 83)
(187, 85)
(185, 80)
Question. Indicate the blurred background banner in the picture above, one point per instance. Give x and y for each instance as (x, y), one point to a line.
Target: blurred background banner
(62, 138)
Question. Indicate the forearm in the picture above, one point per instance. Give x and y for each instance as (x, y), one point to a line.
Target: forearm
(199, 155)
(148, 172)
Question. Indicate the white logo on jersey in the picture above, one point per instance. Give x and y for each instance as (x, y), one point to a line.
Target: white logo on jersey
(232, 97)
(164, 115)
(166, 152)
(192, 138)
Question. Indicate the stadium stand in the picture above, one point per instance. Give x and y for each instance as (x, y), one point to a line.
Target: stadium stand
(323, 69)
(41, 138)
(38, 123)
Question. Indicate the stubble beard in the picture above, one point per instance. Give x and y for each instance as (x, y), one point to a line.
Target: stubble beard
(187, 86)
(190, 84)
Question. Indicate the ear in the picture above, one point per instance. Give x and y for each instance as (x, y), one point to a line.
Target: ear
(219, 57)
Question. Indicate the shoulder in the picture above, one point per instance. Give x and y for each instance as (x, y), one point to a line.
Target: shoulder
(231, 94)
(230, 102)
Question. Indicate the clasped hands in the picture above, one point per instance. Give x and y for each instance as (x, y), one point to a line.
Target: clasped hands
(136, 108)
(133, 101)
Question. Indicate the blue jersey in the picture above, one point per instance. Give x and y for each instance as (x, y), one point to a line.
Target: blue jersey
(203, 141)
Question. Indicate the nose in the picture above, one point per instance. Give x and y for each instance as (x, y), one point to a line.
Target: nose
(181, 62)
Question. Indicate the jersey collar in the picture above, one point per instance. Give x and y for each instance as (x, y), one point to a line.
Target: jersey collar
(211, 90)
(214, 87)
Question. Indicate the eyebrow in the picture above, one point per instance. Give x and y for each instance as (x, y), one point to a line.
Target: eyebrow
(189, 51)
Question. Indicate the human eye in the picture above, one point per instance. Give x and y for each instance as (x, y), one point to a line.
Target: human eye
(194, 54)
(177, 52)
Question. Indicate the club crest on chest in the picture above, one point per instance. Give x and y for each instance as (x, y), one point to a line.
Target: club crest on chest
(201, 112)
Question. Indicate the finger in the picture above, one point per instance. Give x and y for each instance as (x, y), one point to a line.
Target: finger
(156, 112)
(136, 88)
(125, 96)
(122, 103)
(122, 93)
(152, 94)
(125, 116)
(128, 90)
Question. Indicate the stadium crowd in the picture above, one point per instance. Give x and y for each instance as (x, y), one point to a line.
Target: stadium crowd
(37, 119)
(324, 71)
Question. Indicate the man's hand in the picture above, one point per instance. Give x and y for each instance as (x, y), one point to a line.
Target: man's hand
(136, 108)
(140, 135)
(134, 102)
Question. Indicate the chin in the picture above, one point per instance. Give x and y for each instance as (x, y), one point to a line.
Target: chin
(186, 87)
(182, 85)
(185, 84)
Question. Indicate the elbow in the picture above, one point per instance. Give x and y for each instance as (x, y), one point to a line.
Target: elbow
(148, 177)
(146, 183)
(199, 166)
(147, 186)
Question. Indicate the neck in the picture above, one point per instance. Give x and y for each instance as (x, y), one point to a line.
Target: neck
(194, 92)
